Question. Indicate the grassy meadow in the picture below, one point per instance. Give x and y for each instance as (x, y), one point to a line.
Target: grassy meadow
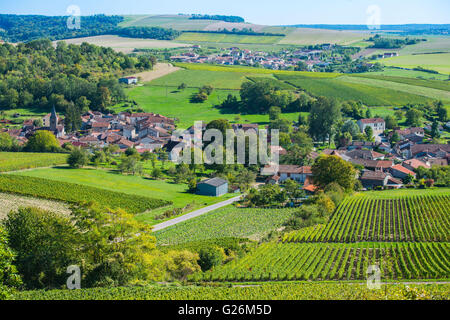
(173, 103)
(132, 185)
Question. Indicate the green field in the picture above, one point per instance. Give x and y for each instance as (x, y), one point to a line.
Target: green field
(306, 36)
(130, 185)
(438, 90)
(227, 38)
(12, 161)
(165, 21)
(429, 83)
(432, 45)
(343, 90)
(200, 78)
(437, 62)
(220, 68)
(396, 72)
(226, 222)
(262, 291)
(68, 191)
(173, 103)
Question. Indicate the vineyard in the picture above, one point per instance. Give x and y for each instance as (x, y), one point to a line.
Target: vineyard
(273, 291)
(336, 261)
(344, 91)
(75, 193)
(406, 236)
(416, 218)
(225, 222)
(11, 161)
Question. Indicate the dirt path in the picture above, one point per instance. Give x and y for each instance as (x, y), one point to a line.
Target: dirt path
(159, 70)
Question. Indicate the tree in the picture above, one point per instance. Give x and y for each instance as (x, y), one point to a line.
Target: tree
(207, 89)
(131, 165)
(413, 117)
(156, 173)
(274, 113)
(283, 125)
(329, 169)
(398, 114)
(180, 264)
(115, 249)
(408, 179)
(442, 113)
(199, 97)
(210, 257)
(9, 277)
(72, 120)
(78, 158)
(395, 138)
(391, 122)
(6, 142)
(42, 141)
(368, 131)
(435, 133)
(45, 244)
(325, 114)
(220, 124)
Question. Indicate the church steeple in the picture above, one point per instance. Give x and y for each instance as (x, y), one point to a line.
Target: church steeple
(53, 120)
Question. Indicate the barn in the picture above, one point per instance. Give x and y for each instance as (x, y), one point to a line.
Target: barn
(215, 187)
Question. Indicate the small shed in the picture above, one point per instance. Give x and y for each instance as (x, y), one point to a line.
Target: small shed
(215, 187)
(129, 80)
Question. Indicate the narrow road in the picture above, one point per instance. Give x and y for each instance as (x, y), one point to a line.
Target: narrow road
(196, 213)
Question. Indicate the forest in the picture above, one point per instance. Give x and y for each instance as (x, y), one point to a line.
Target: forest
(23, 28)
(38, 75)
(149, 33)
(217, 17)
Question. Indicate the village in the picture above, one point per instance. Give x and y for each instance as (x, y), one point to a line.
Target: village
(382, 165)
(312, 58)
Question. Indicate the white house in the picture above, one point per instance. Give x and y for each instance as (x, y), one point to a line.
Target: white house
(378, 126)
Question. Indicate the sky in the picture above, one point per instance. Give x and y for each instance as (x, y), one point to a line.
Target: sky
(267, 12)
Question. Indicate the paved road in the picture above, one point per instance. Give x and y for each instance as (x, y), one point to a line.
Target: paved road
(194, 214)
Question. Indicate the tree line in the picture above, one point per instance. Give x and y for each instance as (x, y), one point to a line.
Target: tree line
(217, 17)
(84, 77)
(24, 28)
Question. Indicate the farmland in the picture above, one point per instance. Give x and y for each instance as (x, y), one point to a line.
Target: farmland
(12, 161)
(404, 232)
(130, 187)
(341, 90)
(126, 45)
(11, 202)
(227, 38)
(437, 62)
(365, 218)
(317, 261)
(75, 193)
(428, 90)
(264, 291)
(226, 222)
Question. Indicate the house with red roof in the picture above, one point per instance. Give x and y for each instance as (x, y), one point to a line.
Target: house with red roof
(399, 171)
